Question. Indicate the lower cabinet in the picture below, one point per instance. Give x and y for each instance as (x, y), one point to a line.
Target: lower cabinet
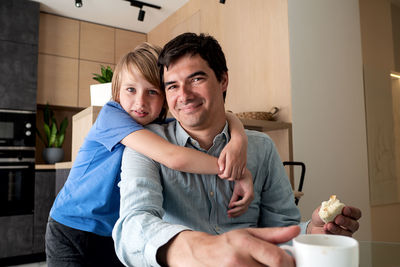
(16, 235)
(23, 235)
(44, 197)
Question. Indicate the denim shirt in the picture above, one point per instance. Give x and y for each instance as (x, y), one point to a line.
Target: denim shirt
(157, 202)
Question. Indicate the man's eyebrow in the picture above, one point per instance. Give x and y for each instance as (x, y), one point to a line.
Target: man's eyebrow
(202, 73)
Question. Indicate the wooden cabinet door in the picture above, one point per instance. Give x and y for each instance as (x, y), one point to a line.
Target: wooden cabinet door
(57, 81)
(97, 43)
(126, 41)
(58, 36)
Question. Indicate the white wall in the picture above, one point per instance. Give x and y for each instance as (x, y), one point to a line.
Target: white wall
(329, 131)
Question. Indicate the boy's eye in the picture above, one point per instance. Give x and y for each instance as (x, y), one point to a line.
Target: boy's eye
(153, 92)
(131, 89)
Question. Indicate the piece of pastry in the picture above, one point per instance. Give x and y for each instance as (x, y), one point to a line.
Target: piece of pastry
(330, 209)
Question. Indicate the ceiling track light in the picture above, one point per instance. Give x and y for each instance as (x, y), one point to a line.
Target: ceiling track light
(140, 5)
(141, 15)
(78, 3)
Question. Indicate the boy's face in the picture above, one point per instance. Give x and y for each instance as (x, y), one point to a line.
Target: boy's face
(142, 100)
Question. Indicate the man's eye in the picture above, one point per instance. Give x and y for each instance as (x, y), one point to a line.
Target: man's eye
(197, 79)
(171, 87)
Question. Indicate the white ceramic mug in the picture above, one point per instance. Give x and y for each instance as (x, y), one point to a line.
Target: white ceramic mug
(324, 250)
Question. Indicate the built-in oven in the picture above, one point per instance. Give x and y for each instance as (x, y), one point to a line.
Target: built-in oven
(17, 128)
(17, 162)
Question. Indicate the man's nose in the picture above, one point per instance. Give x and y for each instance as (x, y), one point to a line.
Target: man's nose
(185, 93)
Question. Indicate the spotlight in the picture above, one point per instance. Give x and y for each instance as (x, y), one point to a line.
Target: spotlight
(78, 3)
(222, 1)
(141, 15)
(140, 5)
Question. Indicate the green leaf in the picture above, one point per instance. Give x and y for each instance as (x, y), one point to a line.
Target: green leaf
(46, 115)
(53, 135)
(47, 132)
(59, 140)
(63, 126)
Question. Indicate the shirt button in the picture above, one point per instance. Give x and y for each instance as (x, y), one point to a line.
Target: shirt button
(211, 193)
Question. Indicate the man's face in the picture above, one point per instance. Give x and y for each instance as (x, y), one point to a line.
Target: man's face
(194, 95)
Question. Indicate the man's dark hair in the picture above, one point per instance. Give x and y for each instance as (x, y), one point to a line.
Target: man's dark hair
(192, 44)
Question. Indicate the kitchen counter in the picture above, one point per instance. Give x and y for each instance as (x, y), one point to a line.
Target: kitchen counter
(59, 165)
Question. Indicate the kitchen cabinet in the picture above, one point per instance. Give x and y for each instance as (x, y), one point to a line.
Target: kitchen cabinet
(45, 181)
(57, 81)
(70, 51)
(126, 41)
(16, 235)
(97, 43)
(18, 75)
(19, 20)
(58, 36)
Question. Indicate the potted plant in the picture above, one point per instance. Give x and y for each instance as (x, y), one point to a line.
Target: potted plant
(54, 136)
(101, 93)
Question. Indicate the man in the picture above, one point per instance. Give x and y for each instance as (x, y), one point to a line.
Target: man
(179, 219)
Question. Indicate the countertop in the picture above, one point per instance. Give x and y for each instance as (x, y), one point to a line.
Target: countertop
(58, 165)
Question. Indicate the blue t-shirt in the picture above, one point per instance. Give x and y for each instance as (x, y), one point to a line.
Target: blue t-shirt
(89, 200)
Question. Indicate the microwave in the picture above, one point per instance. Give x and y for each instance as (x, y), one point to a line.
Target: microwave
(17, 128)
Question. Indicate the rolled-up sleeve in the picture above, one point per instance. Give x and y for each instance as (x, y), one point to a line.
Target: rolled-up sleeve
(140, 230)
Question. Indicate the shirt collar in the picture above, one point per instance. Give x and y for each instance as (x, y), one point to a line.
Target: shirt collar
(183, 138)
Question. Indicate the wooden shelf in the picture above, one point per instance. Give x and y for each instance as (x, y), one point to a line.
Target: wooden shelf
(265, 126)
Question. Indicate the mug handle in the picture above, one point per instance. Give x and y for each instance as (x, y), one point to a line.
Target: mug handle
(289, 249)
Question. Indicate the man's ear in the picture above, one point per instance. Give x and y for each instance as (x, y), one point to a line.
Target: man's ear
(224, 81)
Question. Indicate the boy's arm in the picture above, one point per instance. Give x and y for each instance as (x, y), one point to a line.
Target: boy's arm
(173, 156)
(232, 160)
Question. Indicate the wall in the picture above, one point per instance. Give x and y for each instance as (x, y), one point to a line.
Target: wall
(254, 37)
(329, 131)
(378, 58)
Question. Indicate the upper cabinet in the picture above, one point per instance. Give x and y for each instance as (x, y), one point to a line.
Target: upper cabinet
(126, 41)
(19, 21)
(58, 36)
(70, 51)
(97, 43)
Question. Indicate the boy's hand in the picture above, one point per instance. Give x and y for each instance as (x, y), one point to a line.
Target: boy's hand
(242, 196)
(232, 161)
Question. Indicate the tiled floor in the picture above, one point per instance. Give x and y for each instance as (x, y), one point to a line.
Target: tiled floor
(36, 264)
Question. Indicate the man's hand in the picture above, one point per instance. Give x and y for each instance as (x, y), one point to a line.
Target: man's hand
(242, 247)
(242, 196)
(344, 224)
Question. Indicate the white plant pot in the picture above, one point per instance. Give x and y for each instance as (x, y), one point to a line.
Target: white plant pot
(100, 94)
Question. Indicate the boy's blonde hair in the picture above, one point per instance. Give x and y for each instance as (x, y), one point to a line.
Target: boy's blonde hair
(143, 59)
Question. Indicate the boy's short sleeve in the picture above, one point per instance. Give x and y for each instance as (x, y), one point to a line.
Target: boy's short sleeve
(112, 125)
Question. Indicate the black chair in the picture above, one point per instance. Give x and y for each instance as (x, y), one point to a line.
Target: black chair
(298, 193)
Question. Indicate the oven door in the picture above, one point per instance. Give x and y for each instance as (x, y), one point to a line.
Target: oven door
(17, 182)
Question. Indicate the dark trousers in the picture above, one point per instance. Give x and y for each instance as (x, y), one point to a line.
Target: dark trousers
(68, 247)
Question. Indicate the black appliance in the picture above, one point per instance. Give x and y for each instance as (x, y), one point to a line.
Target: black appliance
(17, 162)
